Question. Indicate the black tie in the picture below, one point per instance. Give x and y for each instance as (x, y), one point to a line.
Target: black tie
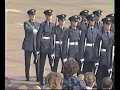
(49, 24)
(91, 29)
(108, 34)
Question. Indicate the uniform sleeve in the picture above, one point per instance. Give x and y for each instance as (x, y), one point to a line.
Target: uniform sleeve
(65, 44)
(52, 41)
(82, 44)
(97, 47)
(27, 27)
(39, 36)
(110, 53)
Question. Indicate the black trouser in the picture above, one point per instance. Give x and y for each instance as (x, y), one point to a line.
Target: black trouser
(27, 63)
(88, 66)
(102, 72)
(55, 66)
(42, 64)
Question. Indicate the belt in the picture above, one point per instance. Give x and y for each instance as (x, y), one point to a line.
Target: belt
(103, 50)
(45, 37)
(73, 43)
(89, 44)
(58, 42)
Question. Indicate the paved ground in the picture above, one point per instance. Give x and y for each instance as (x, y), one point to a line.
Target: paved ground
(16, 15)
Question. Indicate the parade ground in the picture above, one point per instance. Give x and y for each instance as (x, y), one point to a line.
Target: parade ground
(15, 13)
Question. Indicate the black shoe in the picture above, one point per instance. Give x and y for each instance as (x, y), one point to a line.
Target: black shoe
(37, 80)
(27, 79)
(41, 84)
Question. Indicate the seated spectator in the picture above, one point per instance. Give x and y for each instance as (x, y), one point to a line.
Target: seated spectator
(90, 80)
(70, 82)
(80, 77)
(107, 83)
(53, 81)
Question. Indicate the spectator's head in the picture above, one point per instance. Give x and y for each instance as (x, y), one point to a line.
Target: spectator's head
(89, 79)
(36, 87)
(7, 81)
(22, 86)
(80, 77)
(71, 66)
(107, 83)
(53, 80)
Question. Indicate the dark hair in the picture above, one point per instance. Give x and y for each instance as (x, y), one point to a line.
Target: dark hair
(107, 83)
(89, 79)
(71, 66)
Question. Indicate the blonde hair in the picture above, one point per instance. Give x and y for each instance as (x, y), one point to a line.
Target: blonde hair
(89, 79)
(52, 79)
(80, 77)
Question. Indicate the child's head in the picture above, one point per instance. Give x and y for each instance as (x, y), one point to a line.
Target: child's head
(80, 77)
(71, 66)
(107, 83)
(89, 79)
(53, 80)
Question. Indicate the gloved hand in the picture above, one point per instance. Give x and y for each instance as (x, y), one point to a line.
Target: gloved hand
(109, 70)
(37, 52)
(64, 60)
(53, 56)
(96, 64)
(82, 60)
(35, 31)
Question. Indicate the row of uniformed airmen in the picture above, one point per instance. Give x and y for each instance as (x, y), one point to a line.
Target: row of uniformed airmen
(89, 41)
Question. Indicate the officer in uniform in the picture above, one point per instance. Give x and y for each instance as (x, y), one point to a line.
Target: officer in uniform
(105, 57)
(83, 24)
(59, 32)
(73, 41)
(45, 43)
(113, 25)
(98, 22)
(90, 38)
(31, 28)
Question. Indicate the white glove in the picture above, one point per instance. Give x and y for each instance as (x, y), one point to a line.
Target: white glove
(35, 31)
(64, 60)
(53, 56)
(109, 70)
(82, 60)
(37, 52)
(96, 64)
